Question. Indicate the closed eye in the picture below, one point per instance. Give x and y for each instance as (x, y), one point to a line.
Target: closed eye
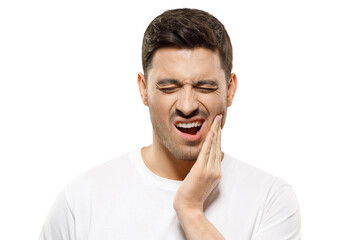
(206, 90)
(167, 90)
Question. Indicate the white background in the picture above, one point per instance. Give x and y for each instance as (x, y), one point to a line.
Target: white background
(69, 100)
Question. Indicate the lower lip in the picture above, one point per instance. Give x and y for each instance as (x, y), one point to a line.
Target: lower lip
(192, 138)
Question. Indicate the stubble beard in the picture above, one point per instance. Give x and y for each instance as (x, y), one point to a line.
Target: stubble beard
(189, 152)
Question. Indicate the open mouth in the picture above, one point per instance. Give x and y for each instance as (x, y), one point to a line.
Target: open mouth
(189, 128)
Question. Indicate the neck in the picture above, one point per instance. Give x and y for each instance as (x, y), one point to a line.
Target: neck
(162, 163)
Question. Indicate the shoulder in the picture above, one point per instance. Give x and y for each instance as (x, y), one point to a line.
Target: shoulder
(239, 170)
(256, 182)
(106, 174)
(277, 207)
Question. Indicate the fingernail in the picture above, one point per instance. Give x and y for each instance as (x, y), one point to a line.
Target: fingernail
(219, 117)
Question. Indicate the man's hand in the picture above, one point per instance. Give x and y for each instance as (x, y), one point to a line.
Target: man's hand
(197, 186)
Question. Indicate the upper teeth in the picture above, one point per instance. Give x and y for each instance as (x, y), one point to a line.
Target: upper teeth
(189, 125)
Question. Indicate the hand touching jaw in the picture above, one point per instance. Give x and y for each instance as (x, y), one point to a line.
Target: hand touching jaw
(199, 183)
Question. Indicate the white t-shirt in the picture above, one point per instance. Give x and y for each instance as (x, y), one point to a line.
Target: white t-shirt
(123, 199)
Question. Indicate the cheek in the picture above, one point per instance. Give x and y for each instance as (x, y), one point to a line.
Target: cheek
(215, 104)
(220, 106)
(160, 106)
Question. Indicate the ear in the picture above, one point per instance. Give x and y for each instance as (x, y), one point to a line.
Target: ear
(142, 88)
(232, 86)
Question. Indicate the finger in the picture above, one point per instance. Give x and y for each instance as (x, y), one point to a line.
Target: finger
(218, 142)
(215, 124)
(206, 147)
(214, 146)
(212, 154)
(211, 134)
(218, 145)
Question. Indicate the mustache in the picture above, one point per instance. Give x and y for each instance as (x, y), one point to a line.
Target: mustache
(197, 112)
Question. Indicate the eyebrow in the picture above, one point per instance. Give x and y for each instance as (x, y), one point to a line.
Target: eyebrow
(197, 84)
(206, 82)
(168, 81)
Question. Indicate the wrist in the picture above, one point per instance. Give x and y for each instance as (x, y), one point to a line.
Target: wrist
(189, 212)
(188, 208)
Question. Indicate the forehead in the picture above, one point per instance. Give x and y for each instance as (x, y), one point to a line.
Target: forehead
(186, 64)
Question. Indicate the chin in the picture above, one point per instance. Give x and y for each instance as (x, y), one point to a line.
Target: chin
(186, 153)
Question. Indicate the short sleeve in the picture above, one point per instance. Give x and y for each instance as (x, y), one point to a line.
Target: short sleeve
(60, 224)
(280, 217)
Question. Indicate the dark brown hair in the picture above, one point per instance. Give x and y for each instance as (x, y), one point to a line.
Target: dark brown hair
(187, 28)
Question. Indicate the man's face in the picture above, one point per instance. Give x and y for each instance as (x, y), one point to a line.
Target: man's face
(186, 89)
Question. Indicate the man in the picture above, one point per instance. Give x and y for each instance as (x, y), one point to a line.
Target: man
(182, 186)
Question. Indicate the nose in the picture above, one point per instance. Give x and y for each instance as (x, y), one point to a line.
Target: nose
(187, 103)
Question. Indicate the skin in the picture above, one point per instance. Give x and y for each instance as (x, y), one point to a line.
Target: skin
(197, 90)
